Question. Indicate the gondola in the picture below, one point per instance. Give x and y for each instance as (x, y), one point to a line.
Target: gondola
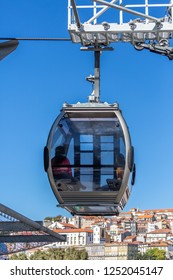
(94, 141)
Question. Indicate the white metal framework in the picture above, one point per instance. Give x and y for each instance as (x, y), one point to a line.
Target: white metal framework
(140, 22)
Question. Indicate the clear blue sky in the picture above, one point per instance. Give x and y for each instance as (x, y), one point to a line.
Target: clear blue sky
(39, 77)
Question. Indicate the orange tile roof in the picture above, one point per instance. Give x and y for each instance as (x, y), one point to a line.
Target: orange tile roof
(159, 210)
(89, 217)
(158, 244)
(77, 230)
(166, 230)
(116, 243)
(149, 210)
(68, 225)
(140, 243)
(130, 236)
(145, 216)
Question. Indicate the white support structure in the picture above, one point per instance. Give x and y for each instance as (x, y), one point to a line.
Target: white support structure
(105, 22)
(95, 24)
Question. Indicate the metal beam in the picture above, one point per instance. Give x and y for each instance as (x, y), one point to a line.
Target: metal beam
(76, 14)
(124, 9)
(36, 226)
(27, 238)
(16, 226)
(101, 12)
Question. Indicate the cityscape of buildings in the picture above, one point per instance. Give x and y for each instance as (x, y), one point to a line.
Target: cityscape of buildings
(118, 237)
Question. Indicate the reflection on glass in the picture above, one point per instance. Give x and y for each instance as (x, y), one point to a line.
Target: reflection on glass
(107, 158)
(86, 138)
(86, 158)
(86, 146)
(94, 209)
(107, 146)
(97, 143)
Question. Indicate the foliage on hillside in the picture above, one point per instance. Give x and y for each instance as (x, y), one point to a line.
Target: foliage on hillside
(152, 254)
(53, 254)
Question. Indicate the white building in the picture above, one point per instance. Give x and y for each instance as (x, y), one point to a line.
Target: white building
(60, 225)
(157, 235)
(153, 226)
(74, 237)
(171, 226)
(99, 234)
(96, 234)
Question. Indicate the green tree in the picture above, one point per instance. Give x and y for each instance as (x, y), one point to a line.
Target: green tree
(39, 255)
(83, 255)
(48, 219)
(74, 254)
(60, 254)
(140, 256)
(56, 218)
(56, 254)
(156, 254)
(152, 254)
(70, 253)
(20, 256)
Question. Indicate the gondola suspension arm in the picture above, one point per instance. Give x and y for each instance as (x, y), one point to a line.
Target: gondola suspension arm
(156, 48)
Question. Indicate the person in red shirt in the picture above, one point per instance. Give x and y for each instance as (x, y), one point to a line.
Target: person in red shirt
(62, 172)
(61, 164)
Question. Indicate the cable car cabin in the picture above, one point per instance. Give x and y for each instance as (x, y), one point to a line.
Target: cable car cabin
(89, 158)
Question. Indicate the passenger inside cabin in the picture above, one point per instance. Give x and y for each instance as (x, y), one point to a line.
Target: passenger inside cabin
(115, 183)
(62, 172)
(61, 164)
(120, 162)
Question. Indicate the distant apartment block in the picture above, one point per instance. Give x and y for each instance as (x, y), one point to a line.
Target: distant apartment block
(158, 235)
(112, 251)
